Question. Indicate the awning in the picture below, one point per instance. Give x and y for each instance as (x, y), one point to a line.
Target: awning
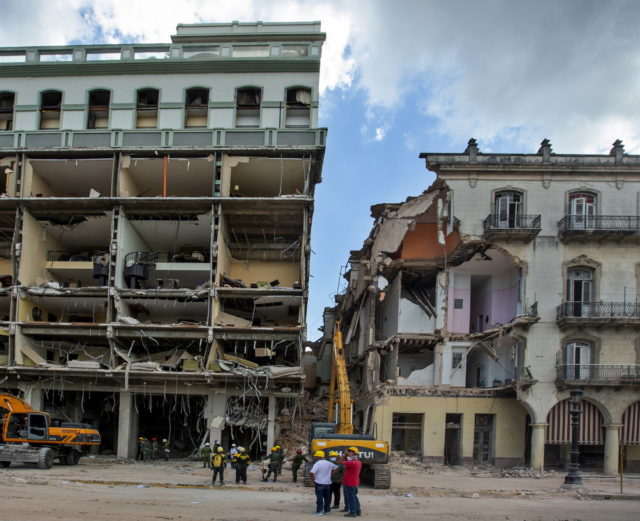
(558, 430)
(631, 425)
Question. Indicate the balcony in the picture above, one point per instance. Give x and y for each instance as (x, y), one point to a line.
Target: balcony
(598, 374)
(516, 227)
(580, 227)
(597, 313)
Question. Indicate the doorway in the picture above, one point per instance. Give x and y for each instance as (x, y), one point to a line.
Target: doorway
(453, 440)
(483, 449)
(406, 433)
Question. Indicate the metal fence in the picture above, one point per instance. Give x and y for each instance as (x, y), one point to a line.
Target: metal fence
(599, 372)
(599, 222)
(575, 309)
(495, 222)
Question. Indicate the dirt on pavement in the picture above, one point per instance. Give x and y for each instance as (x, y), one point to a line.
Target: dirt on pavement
(103, 489)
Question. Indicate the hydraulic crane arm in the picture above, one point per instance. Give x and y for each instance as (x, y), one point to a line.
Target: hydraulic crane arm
(340, 383)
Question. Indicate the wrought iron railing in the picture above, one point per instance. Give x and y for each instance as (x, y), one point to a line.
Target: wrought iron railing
(621, 223)
(74, 255)
(495, 222)
(599, 372)
(598, 310)
(147, 257)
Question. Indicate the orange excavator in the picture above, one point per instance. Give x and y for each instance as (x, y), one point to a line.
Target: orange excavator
(26, 436)
(332, 436)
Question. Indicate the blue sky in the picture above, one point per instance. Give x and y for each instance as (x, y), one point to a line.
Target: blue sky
(409, 76)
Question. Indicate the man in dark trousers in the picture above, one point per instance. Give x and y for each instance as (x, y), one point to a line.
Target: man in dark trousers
(321, 476)
(351, 482)
(241, 461)
(218, 462)
(297, 462)
(336, 479)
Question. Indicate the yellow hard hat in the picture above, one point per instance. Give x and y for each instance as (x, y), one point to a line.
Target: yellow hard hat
(278, 447)
(333, 453)
(220, 449)
(354, 449)
(318, 454)
(273, 449)
(240, 449)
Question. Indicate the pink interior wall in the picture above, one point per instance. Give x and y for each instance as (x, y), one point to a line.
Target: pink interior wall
(458, 319)
(504, 304)
(481, 304)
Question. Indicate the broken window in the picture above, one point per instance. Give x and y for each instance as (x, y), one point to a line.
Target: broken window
(98, 116)
(87, 177)
(248, 107)
(7, 100)
(196, 108)
(298, 107)
(186, 309)
(260, 352)
(263, 311)
(147, 108)
(81, 351)
(264, 177)
(406, 433)
(50, 107)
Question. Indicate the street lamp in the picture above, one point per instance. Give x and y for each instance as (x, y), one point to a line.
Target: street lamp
(574, 478)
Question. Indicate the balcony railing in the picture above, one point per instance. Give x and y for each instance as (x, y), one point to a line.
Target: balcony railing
(149, 258)
(519, 226)
(598, 226)
(76, 255)
(576, 312)
(599, 373)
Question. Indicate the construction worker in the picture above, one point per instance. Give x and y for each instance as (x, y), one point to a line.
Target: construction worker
(321, 475)
(241, 461)
(336, 479)
(351, 482)
(140, 453)
(166, 449)
(154, 448)
(275, 464)
(232, 452)
(218, 462)
(205, 452)
(146, 450)
(297, 462)
(281, 462)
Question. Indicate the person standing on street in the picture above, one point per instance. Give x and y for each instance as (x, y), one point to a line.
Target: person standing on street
(241, 461)
(351, 482)
(321, 476)
(275, 464)
(336, 479)
(205, 453)
(297, 462)
(140, 453)
(232, 452)
(154, 448)
(218, 462)
(166, 449)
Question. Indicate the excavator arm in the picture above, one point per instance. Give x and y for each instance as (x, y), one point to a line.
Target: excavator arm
(339, 391)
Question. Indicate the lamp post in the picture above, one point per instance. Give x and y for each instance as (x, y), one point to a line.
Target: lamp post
(574, 478)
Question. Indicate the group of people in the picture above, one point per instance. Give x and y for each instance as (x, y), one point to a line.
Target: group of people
(216, 459)
(150, 449)
(330, 474)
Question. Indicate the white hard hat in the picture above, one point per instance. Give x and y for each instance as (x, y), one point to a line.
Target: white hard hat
(206, 444)
(233, 444)
(164, 440)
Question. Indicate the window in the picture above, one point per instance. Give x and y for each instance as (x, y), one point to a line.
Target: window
(508, 209)
(580, 291)
(98, 116)
(406, 432)
(582, 209)
(456, 360)
(147, 108)
(50, 106)
(578, 356)
(196, 108)
(298, 107)
(6, 110)
(248, 107)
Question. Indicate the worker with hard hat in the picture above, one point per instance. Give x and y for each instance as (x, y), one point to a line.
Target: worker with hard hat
(275, 463)
(140, 453)
(205, 453)
(351, 481)
(218, 462)
(166, 449)
(296, 463)
(336, 479)
(241, 461)
(321, 476)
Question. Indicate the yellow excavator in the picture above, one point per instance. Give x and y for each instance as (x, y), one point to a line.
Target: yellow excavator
(331, 436)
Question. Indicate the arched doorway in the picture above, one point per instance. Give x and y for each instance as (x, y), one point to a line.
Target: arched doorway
(558, 436)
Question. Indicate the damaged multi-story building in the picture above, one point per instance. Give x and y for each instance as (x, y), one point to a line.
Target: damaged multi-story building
(472, 311)
(156, 209)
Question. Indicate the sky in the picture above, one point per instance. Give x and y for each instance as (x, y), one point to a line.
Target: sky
(404, 77)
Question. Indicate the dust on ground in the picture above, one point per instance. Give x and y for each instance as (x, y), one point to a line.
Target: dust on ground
(104, 489)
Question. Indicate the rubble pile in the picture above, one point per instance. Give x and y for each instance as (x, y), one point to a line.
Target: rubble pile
(294, 427)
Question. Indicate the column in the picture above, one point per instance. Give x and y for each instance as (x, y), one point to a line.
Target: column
(271, 423)
(33, 396)
(127, 426)
(216, 406)
(611, 448)
(537, 446)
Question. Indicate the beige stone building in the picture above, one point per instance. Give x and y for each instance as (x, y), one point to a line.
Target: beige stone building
(473, 309)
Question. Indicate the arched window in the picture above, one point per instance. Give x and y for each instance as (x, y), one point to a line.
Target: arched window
(147, 108)
(582, 209)
(196, 108)
(508, 209)
(7, 100)
(98, 116)
(248, 101)
(578, 357)
(298, 107)
(50, 106)
(580, 291)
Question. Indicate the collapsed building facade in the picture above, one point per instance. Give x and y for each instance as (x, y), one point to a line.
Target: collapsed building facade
(156, 210)
(472, 310)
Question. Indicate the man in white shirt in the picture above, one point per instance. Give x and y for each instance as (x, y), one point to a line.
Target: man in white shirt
(321, 475)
